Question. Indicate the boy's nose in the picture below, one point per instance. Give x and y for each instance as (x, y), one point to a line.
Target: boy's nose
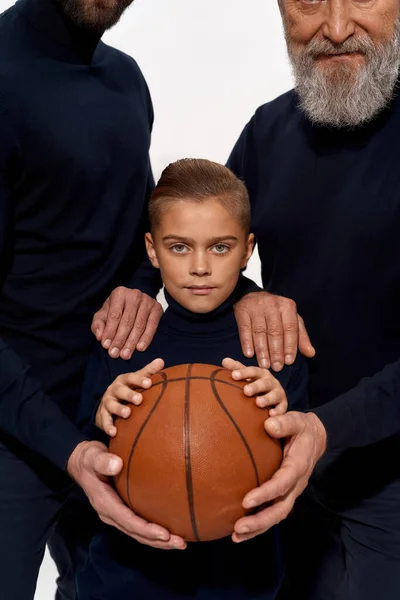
(200, 266)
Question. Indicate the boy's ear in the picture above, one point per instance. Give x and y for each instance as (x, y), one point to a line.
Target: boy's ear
(249, 250)
(151, 251)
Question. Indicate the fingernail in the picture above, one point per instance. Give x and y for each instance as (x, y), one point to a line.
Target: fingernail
(248, 352)
(236, 374)
(248, 389)
(136, 398)
(146, 381)
(126, 353)
(289, 359)
(141, 346)
(243, 530)
(163, 537)
(106, 344)
(277, 366)
(274, 425)
(126, 412)
(251, 503)
(97, 333)
(112, 467)
(264, 363)
(114, 352)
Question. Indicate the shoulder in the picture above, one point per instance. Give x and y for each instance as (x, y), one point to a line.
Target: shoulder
(128, 71)
(271, 116)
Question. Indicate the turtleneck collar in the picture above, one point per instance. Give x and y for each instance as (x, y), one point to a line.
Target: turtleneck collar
(64, 39)
(183, 320)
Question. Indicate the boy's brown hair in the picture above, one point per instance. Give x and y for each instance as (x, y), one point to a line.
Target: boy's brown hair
(196, 180)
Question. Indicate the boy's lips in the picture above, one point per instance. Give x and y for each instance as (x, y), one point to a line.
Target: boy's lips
(200, 290)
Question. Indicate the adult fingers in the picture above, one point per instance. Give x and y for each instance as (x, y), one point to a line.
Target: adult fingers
(150, 329)
(127, 313)
(290, 326)
(305, 345)
(115, 311)
(99, 321)
(253, 525)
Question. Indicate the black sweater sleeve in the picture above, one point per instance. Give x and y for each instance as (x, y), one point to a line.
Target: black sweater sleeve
(26, 413)
(368, 413)
(29, 416)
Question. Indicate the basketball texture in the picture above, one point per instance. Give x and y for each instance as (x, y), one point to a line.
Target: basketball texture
(192, 450)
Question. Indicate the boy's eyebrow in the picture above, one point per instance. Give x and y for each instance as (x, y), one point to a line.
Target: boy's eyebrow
(215, 240)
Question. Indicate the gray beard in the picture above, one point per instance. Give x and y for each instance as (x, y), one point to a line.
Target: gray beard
(339, 95)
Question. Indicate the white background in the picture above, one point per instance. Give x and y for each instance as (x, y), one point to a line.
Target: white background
(209, 64)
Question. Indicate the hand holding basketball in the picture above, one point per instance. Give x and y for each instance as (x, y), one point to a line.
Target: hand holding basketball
(262, 385)
(305, 442)
(122, 390)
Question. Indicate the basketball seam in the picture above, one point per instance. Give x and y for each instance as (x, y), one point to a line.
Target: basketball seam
(224, 408)
(188, 464)
(139, 433)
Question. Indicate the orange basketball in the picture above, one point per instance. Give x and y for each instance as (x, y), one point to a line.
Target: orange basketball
(192, 450)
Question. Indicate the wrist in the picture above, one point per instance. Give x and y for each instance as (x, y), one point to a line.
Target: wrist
(319, 434)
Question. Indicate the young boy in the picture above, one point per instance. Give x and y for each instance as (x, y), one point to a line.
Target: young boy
(200, 240)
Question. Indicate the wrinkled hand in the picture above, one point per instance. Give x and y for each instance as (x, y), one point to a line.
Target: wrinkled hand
(126, 322)
(263, 386)
(122, 390)
(270, 325)
(305, 443)
(92, 466)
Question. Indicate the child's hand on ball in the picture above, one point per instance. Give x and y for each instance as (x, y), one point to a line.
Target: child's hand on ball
(123, 390)
(262, 385)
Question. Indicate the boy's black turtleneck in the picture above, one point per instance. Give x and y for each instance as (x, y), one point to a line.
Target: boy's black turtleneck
(75, 123)
(186, 337)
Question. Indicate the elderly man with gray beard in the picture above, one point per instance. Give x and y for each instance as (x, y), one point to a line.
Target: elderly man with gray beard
(321, 166)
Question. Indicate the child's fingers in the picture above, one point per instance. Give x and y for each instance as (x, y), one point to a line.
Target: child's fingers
(232, 365)
(262, 386)
(251, 373)
(152, 368)
(123, 393)
(107, 422)
(279, 409)
(113, 407)
(273, 398)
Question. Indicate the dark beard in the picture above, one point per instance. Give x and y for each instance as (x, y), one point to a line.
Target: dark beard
(96, 15)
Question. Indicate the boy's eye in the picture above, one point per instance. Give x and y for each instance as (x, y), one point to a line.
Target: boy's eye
(178, 248)
(220, 248)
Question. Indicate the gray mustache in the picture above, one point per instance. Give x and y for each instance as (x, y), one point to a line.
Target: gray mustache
(324, 47)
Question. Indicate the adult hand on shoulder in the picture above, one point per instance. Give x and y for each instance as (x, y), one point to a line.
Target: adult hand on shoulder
(126, 322)
(270, 326)
(305, 443)
(92, 466)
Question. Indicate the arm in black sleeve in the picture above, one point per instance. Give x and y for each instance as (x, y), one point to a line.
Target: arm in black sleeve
(26, 413)
(97, 379)
(368, 413)
(29, 416)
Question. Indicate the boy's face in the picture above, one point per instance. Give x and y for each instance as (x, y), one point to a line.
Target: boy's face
(199, 249)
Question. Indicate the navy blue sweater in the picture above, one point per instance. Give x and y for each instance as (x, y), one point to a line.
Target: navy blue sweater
(75, 122)
(221, 569)
(326, 214)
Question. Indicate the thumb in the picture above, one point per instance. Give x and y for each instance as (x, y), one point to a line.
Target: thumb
(284, 426)
(107, 464)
